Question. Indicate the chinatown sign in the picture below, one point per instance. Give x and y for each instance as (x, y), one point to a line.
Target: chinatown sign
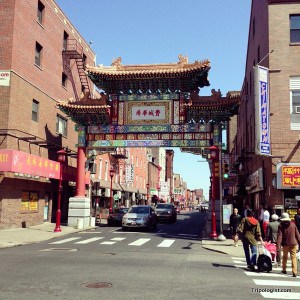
(288, 176)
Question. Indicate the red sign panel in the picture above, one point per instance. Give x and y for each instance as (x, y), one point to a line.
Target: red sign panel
(25, 163)
(21, 162)
(290, 176)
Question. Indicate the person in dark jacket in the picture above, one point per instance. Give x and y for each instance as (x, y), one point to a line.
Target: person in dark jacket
(297, 219)
(234, 221)
(271, 236)
(249, 232)
(289, 238)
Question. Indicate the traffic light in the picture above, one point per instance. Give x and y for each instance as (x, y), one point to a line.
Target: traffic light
(225, 170)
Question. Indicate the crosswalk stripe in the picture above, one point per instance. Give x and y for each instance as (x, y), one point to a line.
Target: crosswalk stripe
(166, 243)
(139, 242)
(277, 282)
(89, 240)
(108, 243)
(264, 274)
(281, 295)
(117, 239)
(66, 240)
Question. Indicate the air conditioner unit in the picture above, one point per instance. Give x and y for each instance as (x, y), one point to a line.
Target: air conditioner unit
(297, 109)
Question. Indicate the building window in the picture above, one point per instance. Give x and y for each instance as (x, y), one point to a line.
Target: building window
(84, 58)
(100, 169)
(61, 125)
(65, 41)
(29, 201)
(40, 12)
(106, 171)
(38, 54)
(295, 102)
(35, 110)
(64, 80)
(295, 28)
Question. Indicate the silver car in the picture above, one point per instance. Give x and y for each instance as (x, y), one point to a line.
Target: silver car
(140, 216)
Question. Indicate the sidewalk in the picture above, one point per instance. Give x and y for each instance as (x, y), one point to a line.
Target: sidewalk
(34, 234)
(224, 247)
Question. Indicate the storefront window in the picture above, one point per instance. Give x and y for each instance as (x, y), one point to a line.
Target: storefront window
(29, 201)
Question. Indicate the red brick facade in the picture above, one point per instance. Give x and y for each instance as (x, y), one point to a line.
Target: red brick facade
(269, 32)
(19, 34)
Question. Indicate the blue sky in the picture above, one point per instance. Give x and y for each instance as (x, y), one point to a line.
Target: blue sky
(157, 31)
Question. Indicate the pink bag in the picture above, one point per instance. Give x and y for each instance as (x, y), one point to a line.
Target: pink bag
(270, 247)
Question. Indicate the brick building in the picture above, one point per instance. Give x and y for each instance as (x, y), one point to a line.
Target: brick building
(35, 73)
(273, 43)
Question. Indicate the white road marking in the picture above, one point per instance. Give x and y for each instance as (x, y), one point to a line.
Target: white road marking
(90, 240)
(118, 239)
(66, 240)
(166, 243)
(238, 262)
(277, 283)
(281, 295)
(107, 243)
(139, 242)
(260, 274)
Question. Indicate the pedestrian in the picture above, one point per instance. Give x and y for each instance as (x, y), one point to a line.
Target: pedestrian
(289, 238)
(234, 221)
(246, 207)
(297, 219)
(266, 221)
(271, 235)
(249, 232)
(262, 217)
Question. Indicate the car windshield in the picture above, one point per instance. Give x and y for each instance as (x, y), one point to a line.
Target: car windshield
(164, 206)
(123, 210)
(139, 210)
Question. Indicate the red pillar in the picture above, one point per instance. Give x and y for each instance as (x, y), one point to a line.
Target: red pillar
(213, 233)
(80, 176)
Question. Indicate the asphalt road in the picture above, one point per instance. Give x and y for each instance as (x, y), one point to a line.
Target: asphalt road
(107, 263)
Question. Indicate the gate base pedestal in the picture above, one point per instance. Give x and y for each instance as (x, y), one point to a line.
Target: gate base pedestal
(79, 212)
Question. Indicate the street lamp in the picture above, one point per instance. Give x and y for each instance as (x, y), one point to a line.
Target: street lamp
(147, 186)
(111, 174)
(214, 151)
(158, 189)
(61, 158)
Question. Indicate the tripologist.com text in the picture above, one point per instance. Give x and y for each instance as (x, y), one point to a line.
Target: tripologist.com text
(272, 290)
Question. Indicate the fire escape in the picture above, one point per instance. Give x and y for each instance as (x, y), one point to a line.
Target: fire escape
(74, 51)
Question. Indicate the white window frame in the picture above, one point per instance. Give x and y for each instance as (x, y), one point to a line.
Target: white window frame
(294, 87)
(61, 125)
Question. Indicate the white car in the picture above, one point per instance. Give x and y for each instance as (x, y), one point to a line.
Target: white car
(140, 216)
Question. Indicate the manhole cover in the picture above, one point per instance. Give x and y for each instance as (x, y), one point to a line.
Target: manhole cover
(97, 285)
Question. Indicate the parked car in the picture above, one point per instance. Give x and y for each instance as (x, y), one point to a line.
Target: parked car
(140, 216)
(166, 212)
(116, 217)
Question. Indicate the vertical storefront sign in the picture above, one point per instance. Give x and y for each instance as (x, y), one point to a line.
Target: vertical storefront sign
(4, 78)
(262, 108)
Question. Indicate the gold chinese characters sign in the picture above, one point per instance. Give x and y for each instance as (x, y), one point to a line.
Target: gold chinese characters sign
(288, 176)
